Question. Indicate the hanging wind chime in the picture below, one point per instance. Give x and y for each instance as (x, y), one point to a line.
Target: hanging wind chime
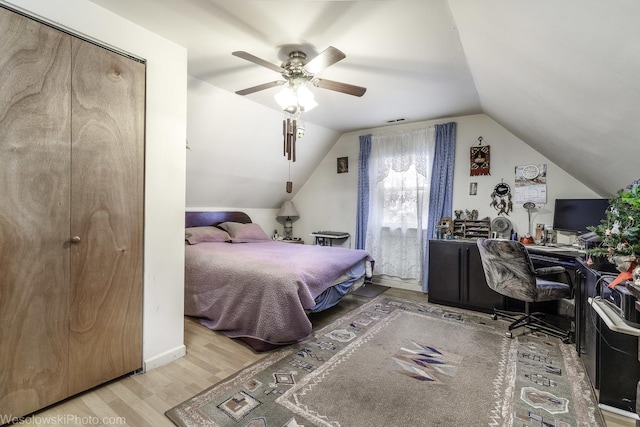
(289, 131)
(292, 130)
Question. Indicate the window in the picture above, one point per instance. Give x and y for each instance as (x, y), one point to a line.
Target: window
(399, 169)
(401, 192)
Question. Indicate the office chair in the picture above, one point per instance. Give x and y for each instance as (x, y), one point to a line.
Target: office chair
(510, 272)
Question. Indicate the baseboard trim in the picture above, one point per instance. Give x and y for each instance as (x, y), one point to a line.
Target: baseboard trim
(394, 282)
(164, 358)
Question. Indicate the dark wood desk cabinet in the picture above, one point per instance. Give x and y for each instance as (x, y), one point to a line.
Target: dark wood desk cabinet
(610, 358)
(587, 321)
(456, 277)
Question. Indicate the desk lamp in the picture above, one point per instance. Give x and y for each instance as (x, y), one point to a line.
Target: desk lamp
(528, 239)
(287, 215)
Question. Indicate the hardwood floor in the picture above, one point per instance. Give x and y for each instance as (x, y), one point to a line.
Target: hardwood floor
(141, 400)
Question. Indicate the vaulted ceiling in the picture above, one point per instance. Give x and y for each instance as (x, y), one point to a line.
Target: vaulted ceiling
(563, 76)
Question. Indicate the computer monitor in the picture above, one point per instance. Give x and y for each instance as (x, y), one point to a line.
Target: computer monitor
(575, 215)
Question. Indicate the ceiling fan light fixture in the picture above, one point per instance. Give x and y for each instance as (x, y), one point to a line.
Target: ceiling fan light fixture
(285, 97)
(292, 99)
(305, 99)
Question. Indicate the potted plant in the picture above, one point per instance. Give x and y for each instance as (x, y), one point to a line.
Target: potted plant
(620, 233)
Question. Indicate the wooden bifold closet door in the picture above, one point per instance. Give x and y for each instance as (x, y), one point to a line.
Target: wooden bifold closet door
(71, 214)
(106, 213)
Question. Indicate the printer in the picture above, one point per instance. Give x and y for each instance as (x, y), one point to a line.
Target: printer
(622, 299)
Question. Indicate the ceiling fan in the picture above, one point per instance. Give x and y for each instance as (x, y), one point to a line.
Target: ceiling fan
(297, 70)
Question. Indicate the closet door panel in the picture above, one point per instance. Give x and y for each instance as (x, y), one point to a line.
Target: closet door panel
(107, 215)
(34, 214)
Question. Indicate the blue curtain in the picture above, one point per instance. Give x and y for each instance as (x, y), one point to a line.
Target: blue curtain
(362, 214)
(441, 192)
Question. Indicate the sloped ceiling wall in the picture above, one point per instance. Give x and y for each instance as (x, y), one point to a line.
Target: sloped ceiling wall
(563, 76)
(560, 75)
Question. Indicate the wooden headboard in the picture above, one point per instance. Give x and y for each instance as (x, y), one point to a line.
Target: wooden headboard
(201, 219)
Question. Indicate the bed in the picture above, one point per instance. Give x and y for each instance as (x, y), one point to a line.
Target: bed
(244, 284)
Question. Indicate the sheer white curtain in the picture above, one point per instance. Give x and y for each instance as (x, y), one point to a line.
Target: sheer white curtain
(399, 175)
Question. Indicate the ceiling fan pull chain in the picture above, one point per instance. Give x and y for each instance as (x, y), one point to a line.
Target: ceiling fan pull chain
(289, 185)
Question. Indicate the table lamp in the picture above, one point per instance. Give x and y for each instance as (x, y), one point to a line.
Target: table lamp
(287, 215)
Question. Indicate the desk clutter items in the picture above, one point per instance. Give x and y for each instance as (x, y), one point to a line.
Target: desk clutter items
(445, 228)
(466, 214)
(466, 225)
(471, 228)
(545, 235)
(501, 228)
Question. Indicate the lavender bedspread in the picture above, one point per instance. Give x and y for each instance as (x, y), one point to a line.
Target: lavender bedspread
(259, 291)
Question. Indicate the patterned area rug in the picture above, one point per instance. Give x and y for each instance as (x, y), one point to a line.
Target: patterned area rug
(393, 362)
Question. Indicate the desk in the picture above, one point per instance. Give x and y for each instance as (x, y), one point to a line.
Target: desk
(608, 346)
(567, 257)
(456, 278)
(326, 238)
(617, 362)
(559, 255)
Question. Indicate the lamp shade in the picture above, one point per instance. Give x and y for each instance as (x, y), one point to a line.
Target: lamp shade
(288, 210)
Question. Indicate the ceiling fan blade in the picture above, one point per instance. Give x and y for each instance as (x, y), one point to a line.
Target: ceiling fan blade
(327, 57)
(340, 87)
(249, 57)
(260, 87)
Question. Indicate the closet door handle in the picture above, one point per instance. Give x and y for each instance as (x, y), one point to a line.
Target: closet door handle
(75, 239)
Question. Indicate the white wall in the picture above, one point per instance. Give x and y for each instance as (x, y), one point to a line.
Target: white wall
(328, 200)
(164, 164)
(236, 156)
(507, 152)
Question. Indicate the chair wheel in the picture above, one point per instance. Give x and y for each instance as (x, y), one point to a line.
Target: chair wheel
(494, 317)
(509, 334)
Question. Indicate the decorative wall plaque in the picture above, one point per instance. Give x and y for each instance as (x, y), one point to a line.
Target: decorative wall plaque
(480, 157)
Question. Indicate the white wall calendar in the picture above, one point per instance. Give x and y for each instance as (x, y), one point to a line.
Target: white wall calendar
(530, 185)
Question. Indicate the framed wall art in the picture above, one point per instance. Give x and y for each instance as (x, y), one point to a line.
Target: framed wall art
(480, 159)
(473, 188)
(343, 165)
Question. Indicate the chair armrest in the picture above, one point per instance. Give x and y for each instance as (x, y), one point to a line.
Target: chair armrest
(545, 271)
(557, 269)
